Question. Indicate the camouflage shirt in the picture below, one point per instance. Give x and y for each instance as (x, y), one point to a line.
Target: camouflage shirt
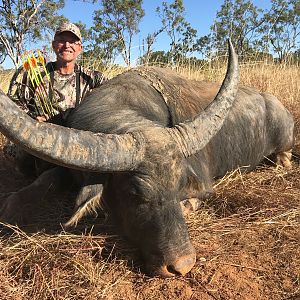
(60, 89)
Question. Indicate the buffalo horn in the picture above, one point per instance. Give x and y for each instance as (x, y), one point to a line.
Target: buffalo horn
(70, 147)
(192, 136)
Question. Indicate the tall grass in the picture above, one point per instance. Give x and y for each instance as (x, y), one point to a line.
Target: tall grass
(281, 80)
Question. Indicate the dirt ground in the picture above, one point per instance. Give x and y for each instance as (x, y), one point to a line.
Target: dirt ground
(246, 237)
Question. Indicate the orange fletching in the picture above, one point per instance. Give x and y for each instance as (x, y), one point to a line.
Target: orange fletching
(26, 65)
(33, 62)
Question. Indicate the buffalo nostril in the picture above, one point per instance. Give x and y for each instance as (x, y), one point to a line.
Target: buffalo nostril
(164, 272)
(182, 265)
(171, 270)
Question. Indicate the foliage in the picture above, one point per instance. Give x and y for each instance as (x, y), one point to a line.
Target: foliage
(21, 21)
(162, 58)
(253, 30)
(157, 57)
(238, 20)
(281, 30)
(115, 26)
(147, 51)
(183, 37)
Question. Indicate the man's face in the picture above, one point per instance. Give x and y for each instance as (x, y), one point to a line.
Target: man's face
(66, 46)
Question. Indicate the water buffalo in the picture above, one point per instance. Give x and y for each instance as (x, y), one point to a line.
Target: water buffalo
(147, 140)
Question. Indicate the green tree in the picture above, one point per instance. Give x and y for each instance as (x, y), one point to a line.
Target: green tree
(204, 44)
(282, 27)
(238, 20)
(188, 42)
(21, 21)
(147, 47)
(183, 38)
(115, 26)
(157, 57)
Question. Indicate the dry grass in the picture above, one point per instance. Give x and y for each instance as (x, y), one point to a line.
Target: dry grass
(281, 80)
(247, 236)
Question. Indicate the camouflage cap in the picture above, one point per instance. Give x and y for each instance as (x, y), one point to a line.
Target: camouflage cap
(68, 27)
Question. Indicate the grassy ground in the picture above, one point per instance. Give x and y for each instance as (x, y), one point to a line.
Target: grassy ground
(247, 236)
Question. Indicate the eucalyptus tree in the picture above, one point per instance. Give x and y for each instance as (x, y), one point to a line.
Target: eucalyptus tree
(281, 33)
(25, 20)
(183, 37)
(240, 20)
(114, 27)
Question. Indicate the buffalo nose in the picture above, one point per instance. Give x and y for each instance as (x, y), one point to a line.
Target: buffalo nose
(180, 266)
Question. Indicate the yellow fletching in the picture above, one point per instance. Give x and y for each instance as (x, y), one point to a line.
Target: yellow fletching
(32, 61)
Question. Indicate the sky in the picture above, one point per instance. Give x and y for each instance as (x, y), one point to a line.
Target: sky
(199, 13)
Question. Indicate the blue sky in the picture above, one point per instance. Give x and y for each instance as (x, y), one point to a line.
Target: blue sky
(198, 12)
